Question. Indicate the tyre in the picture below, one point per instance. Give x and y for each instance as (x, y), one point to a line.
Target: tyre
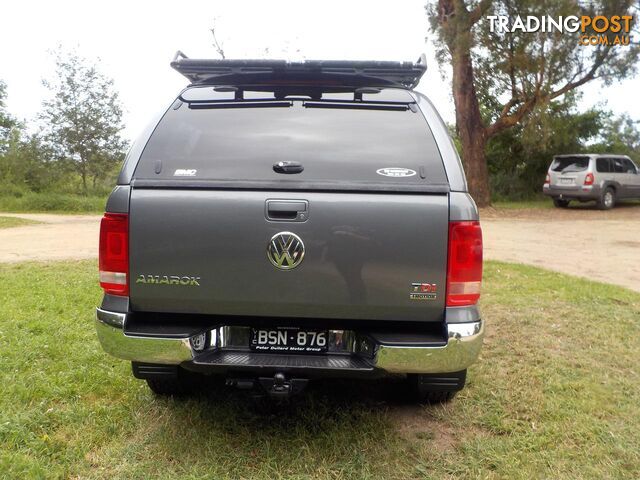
(164, 379)
(169, 386)
(607, 199)
(557, 202)
(437, 388)
(436, 397)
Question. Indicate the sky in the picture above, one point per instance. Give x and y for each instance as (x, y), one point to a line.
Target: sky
(134, 41)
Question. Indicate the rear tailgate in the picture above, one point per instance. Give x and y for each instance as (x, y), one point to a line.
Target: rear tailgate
(363, 253)
(199, 232)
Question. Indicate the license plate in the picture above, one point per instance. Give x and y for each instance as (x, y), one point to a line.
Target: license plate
(288, 340)
(566, 181)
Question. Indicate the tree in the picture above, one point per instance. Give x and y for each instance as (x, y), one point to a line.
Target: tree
(518, 158)
(82, 120)
(216, 45)
(26, 165)
(620, 135)
(7, 122)
(499, 78)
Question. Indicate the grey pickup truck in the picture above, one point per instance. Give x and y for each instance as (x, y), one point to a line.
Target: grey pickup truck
(284, 221)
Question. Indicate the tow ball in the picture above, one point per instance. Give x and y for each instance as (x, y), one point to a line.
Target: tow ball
(279, 387)
(276, 387)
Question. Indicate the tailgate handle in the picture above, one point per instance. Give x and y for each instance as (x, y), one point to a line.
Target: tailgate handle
(287, 210)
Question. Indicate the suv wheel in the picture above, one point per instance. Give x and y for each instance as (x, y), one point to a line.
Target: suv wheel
(607, 199)
(559, 203)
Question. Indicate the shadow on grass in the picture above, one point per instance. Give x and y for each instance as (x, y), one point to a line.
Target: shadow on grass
(339, 426)
(379, 394)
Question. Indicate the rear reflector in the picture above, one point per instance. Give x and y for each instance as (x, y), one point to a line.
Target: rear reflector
(114, 254)
(464, 273)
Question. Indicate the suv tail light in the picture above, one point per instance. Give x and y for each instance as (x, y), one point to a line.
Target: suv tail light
(588, 179)
(547, 180)
(114, 254)
(464, 272)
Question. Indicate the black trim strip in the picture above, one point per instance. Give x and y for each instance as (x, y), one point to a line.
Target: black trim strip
(243, 104)
(269, 185)
(357, 106)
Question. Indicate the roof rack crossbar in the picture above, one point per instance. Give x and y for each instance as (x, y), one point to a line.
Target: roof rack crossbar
(339, 73)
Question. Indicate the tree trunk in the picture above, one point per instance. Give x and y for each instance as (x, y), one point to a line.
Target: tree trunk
(457, 24)
(83, 174)
(470, 128)
(475, 164)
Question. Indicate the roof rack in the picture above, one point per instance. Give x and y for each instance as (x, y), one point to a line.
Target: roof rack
(329, 73)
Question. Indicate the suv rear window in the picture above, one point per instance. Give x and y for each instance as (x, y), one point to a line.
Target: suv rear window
(570, 164)
(337, 146)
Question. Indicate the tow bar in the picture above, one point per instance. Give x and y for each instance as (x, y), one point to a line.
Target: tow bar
(277, 387)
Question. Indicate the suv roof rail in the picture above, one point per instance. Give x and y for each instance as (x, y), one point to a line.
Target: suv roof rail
(330, 73)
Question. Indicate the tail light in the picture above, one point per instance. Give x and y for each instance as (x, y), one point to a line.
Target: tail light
(114, 254)
(464, 272)
(547, 180)
(588, 179)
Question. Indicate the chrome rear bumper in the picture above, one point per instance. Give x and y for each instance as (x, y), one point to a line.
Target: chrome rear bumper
(460, 350)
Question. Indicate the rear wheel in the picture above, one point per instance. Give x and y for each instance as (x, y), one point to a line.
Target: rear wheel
(437, 397)
(164, 379)
(437, 388)
(169, 386)
(560, 203)
(607, 199)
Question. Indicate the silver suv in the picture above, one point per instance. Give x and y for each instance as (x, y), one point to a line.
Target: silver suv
(601, 177)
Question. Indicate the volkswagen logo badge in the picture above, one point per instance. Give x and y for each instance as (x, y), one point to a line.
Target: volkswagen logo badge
(285, 250)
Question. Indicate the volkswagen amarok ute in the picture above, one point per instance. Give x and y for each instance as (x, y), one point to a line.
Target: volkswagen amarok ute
(286, 221)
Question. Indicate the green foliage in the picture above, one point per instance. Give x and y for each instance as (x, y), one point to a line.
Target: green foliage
(17, 200)
(77, 150)
(26, 165)
(7, 122)
(518, 158)
(508, 80)
(619, 135)
(83, 119)
(513, 69)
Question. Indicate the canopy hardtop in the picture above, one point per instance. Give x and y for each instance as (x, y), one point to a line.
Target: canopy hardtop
(330, 73)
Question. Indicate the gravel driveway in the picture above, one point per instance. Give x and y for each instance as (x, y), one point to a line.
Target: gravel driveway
(602, 246)
(59, 237)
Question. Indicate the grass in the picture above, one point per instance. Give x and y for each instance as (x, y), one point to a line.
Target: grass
(555, 395)
(53, 202)
(540, 202)
(9, 222)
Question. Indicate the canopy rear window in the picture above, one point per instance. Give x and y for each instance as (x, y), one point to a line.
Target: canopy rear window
(339, 147)
(570, 164)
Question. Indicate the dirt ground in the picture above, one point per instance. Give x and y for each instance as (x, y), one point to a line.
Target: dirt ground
(583, 241)
(603, 246)
(58, 237)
